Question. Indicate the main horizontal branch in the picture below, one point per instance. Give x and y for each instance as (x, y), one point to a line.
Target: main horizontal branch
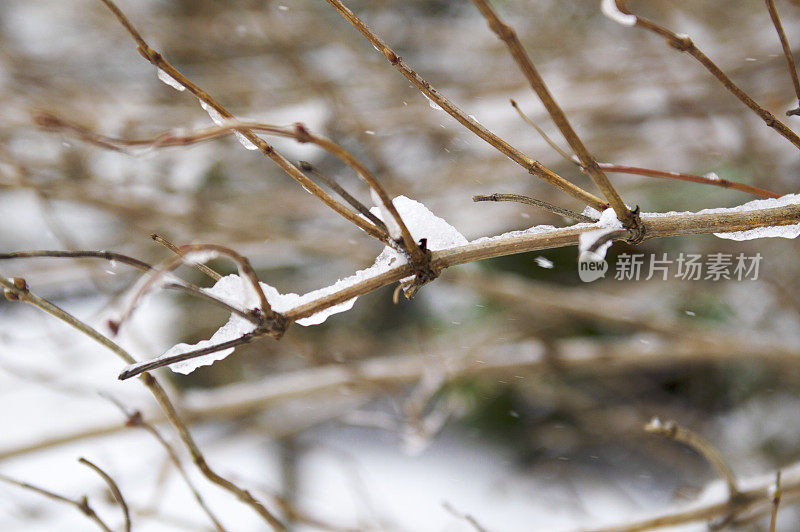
(655, 227)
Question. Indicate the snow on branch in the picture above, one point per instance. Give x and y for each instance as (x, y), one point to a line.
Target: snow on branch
(755, 219)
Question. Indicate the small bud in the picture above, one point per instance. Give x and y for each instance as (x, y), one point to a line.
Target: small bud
(20, 284)
(11, 296)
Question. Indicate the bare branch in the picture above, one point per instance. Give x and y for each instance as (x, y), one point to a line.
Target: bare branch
(787, 52)
(532, 166)
(136, 419)
(157, 60)
(683, 43)
(705, 180)
(542, 134)
(136, 263)
(673, 431)
(112, 485)
(81, 504)
(507, 34)
(539, 203)
(140, 367)
(20, 292)
(776, 502)
(175, 249)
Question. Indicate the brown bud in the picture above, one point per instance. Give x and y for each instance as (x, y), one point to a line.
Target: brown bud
(20, 284)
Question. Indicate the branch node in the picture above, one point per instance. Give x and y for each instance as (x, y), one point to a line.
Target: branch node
(392, 57)
(635, 227)
(303, 135)
(682, 43)
(424, 272)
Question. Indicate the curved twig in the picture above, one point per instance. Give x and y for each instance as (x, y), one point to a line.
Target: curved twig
(112, 485)
(81, 504)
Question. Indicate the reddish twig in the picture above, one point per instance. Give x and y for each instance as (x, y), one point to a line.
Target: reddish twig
(717, 182)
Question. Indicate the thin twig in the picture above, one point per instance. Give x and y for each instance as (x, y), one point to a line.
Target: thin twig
(136, 263)
(507, 34)
(613, 168)
(157, 60)
(776, 502)
(537, 202)
(136, 419)
(466, 517)
(175, 249)
(683, 43)
(542, 134)
(787, 52)
(357, 205)
(115, 491)
(81, 504)
(20, 292)
(299, 132)
(673, 431)
(532, 166)
(246, 271)
(105, 255)
(138, 368)
(718, 182)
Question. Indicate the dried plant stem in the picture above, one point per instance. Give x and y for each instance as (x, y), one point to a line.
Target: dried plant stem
(105, 255)
(787, 52)
(23, 294)
(539, 203)
(115, 491)
(776, 502)
(718, 182)
(542, 133)
(673, 431)
(140, 367)
(466, 517)
(299, 132)
(614, 168)
(532, 166)
(81, 504)
(157, 60)
(136, 263)
(175, 249)
(507, 34)
(357, 205)
(136, 419)
(376, 374)
(264, 311)
(683, 43)
(672, 225)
